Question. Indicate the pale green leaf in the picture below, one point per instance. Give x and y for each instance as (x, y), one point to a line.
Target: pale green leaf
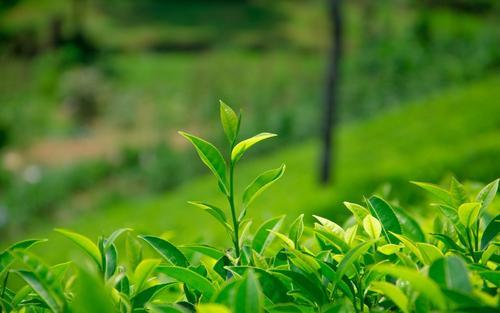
(392, 292)
(211, 156)
(230, 121)
(372, 227)
(468, 213)
(244, 145)
(85, 243)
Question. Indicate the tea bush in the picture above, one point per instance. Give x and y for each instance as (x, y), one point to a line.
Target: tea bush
(381, 259)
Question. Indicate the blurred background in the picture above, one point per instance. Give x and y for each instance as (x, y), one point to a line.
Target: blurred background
(92, 94)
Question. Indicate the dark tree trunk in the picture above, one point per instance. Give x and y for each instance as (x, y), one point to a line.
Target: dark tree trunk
(330, 110)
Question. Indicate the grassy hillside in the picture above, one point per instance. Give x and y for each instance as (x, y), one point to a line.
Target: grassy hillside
(457, 132)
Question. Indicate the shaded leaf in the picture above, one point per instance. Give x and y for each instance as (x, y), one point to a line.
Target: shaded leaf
(385, 214)
(167, 250)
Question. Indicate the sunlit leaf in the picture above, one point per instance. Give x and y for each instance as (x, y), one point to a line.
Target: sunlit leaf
(190, 278)
(244, 145)
(230, 121)
(385, 214)
(418, 281)
(372, 227)
(392, 292)
(440, 193)
(296, 229)
(211, 156)
(263, 236)
(491, 231)
(142, 273)
(85, 243)
(167, 250)
(212, 308)
(487, 194)
(468, 213)
(217, 213)
(429, 252)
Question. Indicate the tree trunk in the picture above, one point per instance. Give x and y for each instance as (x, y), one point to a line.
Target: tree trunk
(330, 110)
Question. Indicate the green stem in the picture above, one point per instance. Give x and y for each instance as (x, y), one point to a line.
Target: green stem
(471, 248)
(233, 211)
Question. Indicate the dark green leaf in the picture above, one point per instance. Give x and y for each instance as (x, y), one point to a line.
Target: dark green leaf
(190, 278)
(491, 231)
(451, 273)
(249, 295)
(167, 250)
(385, 214)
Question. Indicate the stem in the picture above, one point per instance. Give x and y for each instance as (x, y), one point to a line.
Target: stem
(476, 235)
(471, 248)
(233, 211)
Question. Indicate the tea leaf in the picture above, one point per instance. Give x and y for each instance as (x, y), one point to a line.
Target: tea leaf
(217, 213)
(437, 191)
(389, 249)
(358, 211)
(142, 273)
(211, 156)
(212, 308)
(263, 236)
(296, 229)
(190, 278)
(491, 231)
(112, 238)
(167, 250)
(244, 145)
(429, 252)
(85, 243)
(230, 121)
(205, 250)
(487, 194)
(262, 182)
(372, 227)
(419, 282)
(451, 273)
(468, 213)
(350, 257)
(385, 214)
(249, 295)
(392, 292)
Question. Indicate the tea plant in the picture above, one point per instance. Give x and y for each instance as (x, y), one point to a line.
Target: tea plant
(380, 259)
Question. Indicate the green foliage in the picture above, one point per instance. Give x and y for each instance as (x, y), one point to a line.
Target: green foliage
(373, 263)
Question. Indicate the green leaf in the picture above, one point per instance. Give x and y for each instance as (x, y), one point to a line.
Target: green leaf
(205, 250)
(142, 273)
(372, 227)
(166, 308)
(491, 276)
(307, 285)
(429, 252)
(411, 246)
(211, 156)
(296, 229)
(451, 273)
(287, 241)
(112, 238)
(85, 243)
(468, 213)
(330, 274)
(167, 250)
(410, 227)
(6, 257)
(263, 236)
(144, 296)
(190, 278)
(419, 282)
(385, 214)
(249, 295)
(448, 242)
(217, 213)
(230, 121)
(91, 295)
(487, 194)
(244, 145)
(358, 211)
(457, 192)
(350, 257)
(262, 182)
(212, 308)
(40, 277)
(392, 292)
(389, 249)
(440, 193)
(491, 231)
